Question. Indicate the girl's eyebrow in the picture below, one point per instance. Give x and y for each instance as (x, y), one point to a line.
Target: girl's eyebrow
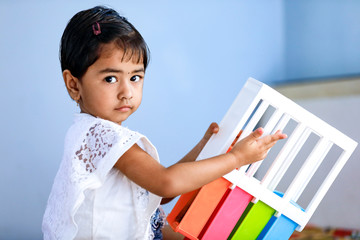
(113, 70)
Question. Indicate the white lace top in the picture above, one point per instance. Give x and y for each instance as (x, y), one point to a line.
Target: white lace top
(92, 200)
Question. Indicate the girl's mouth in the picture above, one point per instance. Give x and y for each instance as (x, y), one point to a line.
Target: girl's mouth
(124, 108)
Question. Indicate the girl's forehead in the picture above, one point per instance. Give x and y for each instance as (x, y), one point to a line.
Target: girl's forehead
(108, 50)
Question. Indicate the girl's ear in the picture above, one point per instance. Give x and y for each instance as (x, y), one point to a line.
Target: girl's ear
(72, 84)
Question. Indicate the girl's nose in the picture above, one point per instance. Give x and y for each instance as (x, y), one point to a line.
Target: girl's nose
(125, 90)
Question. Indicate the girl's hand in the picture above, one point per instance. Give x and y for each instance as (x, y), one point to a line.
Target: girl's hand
(213, 128)
(253, 148)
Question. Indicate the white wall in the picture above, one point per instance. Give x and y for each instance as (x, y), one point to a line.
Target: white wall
(340, 207)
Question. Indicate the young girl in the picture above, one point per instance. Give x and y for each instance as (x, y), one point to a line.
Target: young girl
(110, 182)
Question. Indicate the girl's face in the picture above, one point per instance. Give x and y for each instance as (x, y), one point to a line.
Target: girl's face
(112, 87)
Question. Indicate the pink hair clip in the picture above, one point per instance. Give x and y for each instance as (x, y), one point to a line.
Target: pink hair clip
(96, 29)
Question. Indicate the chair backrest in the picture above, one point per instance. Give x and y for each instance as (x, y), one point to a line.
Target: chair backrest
(244, 114)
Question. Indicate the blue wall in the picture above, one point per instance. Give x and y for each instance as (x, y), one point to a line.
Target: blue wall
(321, 39)
(202, 53)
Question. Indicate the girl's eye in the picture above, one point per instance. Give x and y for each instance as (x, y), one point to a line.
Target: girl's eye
(135, 78)
(110, 79)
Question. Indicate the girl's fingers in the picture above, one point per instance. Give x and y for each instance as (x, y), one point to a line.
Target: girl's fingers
(256, 134)
(280, 134)
(270, 140)
(213, 128)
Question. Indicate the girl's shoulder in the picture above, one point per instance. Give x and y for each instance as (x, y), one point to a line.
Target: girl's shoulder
(89, 133)
(89, 126)
(93, 143)
(95, 137)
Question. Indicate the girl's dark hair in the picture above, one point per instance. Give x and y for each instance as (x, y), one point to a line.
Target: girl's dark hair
(89, 29)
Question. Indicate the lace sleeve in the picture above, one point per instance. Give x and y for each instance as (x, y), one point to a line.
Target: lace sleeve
(98, 143)
(91, 150)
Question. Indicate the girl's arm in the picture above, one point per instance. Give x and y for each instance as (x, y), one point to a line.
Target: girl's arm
(194, 153)
(185, 176)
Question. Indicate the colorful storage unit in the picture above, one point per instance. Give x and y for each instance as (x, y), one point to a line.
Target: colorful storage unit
(278, 228)
(226, 215)
(239, 206)
(193, 210)
(254, 221)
